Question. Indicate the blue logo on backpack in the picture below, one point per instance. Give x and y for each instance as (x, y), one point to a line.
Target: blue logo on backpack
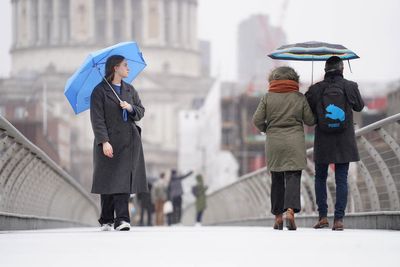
(335, 113)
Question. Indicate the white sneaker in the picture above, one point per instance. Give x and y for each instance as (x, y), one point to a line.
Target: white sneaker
(197, 224)
(124, 226)
(106, 227)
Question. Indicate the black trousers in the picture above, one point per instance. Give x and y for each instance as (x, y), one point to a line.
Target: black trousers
(146, 206)
(177, 213)
(114, 203)
(285, 191)
(199, 216)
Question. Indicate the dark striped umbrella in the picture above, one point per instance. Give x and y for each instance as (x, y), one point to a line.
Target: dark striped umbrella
(312, 51)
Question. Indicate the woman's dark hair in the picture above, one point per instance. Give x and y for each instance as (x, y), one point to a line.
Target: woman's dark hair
(111, 62)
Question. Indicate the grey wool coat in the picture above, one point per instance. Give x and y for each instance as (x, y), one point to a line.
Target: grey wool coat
(125, 172)
(336, 147)
(281, 117)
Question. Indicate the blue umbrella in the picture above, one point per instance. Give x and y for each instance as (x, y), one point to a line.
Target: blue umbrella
(80, 85)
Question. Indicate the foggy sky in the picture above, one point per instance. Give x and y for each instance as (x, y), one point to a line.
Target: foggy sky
(370, 28)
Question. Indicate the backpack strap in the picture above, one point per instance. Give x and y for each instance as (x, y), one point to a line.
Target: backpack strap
(329, 84)
(323, 91)
(347, 103)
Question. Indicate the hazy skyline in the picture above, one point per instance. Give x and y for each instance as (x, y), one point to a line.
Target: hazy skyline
(367, 27)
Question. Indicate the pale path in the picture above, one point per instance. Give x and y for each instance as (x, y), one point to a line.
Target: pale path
(201, 246)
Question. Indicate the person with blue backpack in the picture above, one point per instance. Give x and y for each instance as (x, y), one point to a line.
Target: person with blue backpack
(333, 101)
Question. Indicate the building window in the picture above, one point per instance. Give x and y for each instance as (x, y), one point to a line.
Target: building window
(167, 19)
(48, 21)
(64, 21)
(188, 23)
(20, 113)
(100, 18)
(179, 22)
(166, 67)
(15, 23)
(154, 19)
(136, 20)
(118, 20)
(35, 22)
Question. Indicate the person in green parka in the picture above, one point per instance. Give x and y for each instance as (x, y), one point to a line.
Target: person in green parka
(281, 114)
(199, 191)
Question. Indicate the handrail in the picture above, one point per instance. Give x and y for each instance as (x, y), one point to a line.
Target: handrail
(20, 138)
(57, 194)
(373, 183)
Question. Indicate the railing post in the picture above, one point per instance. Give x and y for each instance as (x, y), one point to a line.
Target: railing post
(387, 176)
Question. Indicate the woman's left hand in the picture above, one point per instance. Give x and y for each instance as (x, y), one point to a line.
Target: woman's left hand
(126, 105)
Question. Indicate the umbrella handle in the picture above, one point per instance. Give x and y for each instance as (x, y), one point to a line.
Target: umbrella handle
(112, 89)
(312, 71)
(348, 61)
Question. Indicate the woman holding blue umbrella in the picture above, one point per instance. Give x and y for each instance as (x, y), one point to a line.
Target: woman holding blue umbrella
(119, 167)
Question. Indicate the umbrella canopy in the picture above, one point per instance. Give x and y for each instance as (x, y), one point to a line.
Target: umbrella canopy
(80, 85)
(312, 51)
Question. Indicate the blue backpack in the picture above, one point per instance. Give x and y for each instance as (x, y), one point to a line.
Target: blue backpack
(333, 110)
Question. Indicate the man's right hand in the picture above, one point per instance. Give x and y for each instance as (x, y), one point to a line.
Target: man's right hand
(107, 149)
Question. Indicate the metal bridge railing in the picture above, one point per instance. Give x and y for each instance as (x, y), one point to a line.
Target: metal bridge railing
(34, 186)
(374, 182)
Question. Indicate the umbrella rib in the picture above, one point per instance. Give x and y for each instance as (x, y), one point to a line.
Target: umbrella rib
(132, 60)
(105, 56)
(84, 81)
(136, 61)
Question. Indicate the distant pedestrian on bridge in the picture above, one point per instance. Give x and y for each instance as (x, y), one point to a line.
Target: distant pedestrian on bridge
(199, 192)
(146, 206)
(281, 114)
(332, 102)
(119, 167)
(159, 197)
(175, 192)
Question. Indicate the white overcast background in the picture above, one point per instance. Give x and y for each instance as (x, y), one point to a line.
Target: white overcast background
(370, 28)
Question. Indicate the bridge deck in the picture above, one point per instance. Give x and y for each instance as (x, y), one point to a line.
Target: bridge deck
(198, 246)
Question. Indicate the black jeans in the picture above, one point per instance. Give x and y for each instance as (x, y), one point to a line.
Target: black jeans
(199, 216)
(321, 174)
(146, 206)
(285, 191)
(177, 213)
(117, 203)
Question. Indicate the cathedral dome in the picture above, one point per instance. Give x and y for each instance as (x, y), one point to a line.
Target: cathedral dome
(60, 33)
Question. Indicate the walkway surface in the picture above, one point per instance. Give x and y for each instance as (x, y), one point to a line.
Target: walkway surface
(199, 246)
